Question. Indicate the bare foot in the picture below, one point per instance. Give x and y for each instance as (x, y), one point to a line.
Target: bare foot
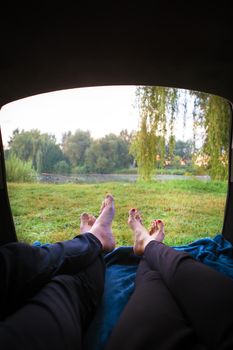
(102, 227)
(157, 230)
(142, 236)
(86, 222)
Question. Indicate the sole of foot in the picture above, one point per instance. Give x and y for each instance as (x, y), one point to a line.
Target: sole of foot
(102, 227)
(141, 235)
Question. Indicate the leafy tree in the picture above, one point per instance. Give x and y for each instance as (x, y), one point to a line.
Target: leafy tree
(51, 155)
(215, 114)
(100, 157)
(159, 108)
(125, 159)
(25, 145)
(40, 149)
(75, 145)
(126, 136)
(62, 167)
(183, 149)
(108, 154)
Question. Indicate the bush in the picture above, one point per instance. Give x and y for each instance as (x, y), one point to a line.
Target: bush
(19, 171)
(62, 168)
(82, 169)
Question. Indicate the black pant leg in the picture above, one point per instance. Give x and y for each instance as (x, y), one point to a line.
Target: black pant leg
(203, 294)
(24, 269)
(151, 318)
(58, 315)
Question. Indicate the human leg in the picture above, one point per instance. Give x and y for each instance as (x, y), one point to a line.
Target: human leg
(151, 318)
(24, 269)
(203, 294)
(58, 315)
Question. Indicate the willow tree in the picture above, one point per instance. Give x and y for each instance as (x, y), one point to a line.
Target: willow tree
(149, 143)
(159, 108)
(214, 117)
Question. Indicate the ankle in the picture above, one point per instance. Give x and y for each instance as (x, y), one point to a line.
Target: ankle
(148, 240)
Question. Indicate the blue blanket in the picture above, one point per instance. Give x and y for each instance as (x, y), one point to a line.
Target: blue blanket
(119, 282)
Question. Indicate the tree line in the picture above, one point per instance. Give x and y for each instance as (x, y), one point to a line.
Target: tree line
(77, 153)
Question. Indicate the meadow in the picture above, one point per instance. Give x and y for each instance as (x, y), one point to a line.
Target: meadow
(191, 209)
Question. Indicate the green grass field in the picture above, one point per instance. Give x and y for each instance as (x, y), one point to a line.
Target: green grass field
(190, 209)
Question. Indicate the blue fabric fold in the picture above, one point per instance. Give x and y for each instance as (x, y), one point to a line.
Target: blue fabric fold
(215, 252)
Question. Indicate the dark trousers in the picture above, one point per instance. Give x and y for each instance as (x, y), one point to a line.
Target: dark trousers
(48, 295)
(178, 303)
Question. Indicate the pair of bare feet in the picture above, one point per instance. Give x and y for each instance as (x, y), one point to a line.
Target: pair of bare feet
(101, 227)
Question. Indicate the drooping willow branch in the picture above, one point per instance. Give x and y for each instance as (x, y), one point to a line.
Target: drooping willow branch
(160, 108)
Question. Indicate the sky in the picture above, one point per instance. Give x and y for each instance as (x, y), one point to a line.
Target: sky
(101, 110)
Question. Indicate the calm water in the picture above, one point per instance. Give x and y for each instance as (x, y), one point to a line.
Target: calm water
(97, 178)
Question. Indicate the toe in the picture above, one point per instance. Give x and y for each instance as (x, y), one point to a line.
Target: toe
(160, 224)
(91, 219)
(108, 200)
(138, 217)
(84, 217)
(132, 212)
(153, 227)
(109, 197)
